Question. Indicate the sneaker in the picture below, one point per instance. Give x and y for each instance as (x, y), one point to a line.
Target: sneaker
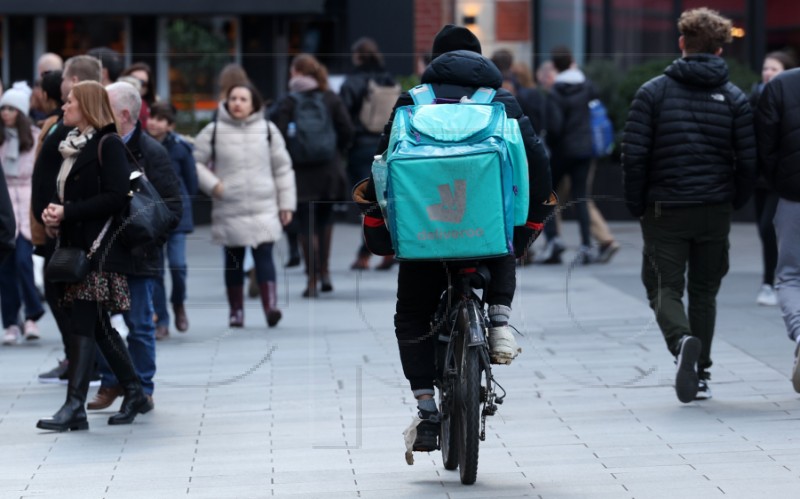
(796, 369)
(687, 381)
(12, 335)
(422, 435)
(502, 345)
(586, 255)
(57, 374)
(606, 251)
(767, 296)
(31, 330)
(551, 254)
(703, 391)
(118, 323)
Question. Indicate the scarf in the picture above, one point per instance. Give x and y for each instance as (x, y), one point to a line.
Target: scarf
(302, 84)
(69, 148)
(11, 158)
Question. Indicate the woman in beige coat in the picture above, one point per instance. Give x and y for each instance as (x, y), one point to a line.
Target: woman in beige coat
(242, 162)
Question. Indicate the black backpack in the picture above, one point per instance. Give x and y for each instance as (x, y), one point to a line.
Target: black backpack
(310, 136)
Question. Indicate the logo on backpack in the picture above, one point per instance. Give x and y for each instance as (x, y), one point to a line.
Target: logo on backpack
(376, 108)
(314, 138)
(453, 205)
(602, 129)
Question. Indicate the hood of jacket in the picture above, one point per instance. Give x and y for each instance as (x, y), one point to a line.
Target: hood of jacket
(463, 67)
(572, 76)
(699, 70)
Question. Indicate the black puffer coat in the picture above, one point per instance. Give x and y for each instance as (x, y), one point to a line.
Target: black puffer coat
(461, 72)
(571, 138)
(353, 92)
(778, 129)
(689, 138)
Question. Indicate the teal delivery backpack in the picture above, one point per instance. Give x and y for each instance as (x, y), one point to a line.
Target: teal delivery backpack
(454, 181)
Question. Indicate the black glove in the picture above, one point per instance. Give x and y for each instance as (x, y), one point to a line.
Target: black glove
(376, 234)
(524, 236)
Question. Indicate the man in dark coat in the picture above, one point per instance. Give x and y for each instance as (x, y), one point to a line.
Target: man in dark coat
(458, 69)
(688, 155)
(778, 131)
(145, 153)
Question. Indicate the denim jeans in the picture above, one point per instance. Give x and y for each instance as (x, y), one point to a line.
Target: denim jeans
(176, 259)
(17, 286)
(142, 335)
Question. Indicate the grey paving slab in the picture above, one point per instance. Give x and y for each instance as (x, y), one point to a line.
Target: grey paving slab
(316, 407)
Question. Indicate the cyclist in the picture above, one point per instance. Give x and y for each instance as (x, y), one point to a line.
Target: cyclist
(458, 69)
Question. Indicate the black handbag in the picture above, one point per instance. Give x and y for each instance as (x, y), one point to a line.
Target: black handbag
(71, 265)
(147, 219)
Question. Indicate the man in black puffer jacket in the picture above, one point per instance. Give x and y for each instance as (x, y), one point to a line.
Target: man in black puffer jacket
(458, 70)
(778, 129)
(688, 155)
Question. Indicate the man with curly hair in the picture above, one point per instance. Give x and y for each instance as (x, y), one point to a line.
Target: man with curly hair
(689, 160)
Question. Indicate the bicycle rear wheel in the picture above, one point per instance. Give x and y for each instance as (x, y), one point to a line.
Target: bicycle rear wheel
(448, 438)
(468, 403)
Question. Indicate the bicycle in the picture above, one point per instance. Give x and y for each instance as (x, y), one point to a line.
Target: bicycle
(466, 382)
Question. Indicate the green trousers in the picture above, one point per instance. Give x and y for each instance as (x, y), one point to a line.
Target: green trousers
(686, 248)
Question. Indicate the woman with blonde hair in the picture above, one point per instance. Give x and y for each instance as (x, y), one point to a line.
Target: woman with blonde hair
(320, 176)
(91, 192)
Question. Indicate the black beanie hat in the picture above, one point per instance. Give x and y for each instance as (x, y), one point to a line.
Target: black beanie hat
(453, 37)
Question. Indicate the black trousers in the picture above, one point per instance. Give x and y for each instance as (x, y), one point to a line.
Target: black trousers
(681, 243)
(766, 204)
(419, 288)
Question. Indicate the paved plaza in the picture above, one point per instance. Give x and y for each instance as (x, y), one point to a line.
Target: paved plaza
(315, 408)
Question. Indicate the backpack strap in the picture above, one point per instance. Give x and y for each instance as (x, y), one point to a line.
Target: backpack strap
(422, 94)
(483, 95)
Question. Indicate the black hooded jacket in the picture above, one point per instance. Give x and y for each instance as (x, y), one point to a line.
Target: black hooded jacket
(778, 129)
(461, 72)
(353, 92)
(8, 224)
(689, 138)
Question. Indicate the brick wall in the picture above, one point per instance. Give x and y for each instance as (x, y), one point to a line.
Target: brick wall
(429, 17)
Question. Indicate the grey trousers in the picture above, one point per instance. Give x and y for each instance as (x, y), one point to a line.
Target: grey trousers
(787, 273)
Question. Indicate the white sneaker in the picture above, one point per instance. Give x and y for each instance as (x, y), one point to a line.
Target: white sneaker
(118, 323)
(767, 296)
(31, 331)
(502, 345)
(12, 335)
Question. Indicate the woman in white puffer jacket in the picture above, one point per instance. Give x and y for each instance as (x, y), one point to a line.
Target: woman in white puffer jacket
(242, 162)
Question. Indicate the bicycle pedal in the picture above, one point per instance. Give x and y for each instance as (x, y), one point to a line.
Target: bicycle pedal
(499, 400)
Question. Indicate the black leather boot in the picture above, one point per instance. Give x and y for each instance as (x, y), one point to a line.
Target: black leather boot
(116, 353)
(72, 415)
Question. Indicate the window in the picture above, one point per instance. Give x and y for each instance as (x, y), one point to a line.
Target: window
(70, 36)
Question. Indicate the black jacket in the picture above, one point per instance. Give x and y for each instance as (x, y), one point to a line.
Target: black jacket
(93, 194)
(778, 129)
(144, 151)
(459, 73)
(571, 136)
(353, 92)
(45, 170)
(689, 138)
(8, 225)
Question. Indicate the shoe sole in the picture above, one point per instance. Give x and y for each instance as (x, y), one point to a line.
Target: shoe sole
(606, 257)
(796, 372)
(686, 379)
(53, 381)
(81, 425)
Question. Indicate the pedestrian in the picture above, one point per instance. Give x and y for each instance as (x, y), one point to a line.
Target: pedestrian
(316, 155)
(111, 61)
(571, 150)
(764, 195)
(372, 89)
(88, 202)
(144, 154)
(40, 105)
(778, 130)
(45, 171)
(458, 69)
(688, 159)
(144, 75)
(161, 126)
(252, 185)
(8, 226)
(17, 148)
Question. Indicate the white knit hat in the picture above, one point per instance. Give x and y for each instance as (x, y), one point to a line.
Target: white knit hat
(18, 96)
